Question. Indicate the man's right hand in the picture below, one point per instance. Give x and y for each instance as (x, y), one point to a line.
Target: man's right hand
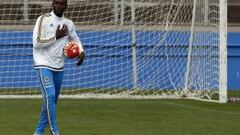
(61, 32)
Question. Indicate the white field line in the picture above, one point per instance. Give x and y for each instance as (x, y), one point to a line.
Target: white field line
(201, 109)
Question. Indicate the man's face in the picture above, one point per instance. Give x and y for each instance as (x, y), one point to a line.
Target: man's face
(59, 6)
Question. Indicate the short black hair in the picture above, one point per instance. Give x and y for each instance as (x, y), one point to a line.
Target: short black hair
(65, 1)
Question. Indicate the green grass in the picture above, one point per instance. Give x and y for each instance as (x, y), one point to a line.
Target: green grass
(124, 117)
(233, 93)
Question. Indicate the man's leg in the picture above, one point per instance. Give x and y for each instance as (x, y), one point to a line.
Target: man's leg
(43, 121)
(58, 77)
(48, 90)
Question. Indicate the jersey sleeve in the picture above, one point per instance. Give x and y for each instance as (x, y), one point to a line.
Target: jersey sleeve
(41, 36)
(74, 37)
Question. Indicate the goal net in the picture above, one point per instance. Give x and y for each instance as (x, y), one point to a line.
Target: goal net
(134, 49)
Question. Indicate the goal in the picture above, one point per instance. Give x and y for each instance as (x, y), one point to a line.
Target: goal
(134, 49)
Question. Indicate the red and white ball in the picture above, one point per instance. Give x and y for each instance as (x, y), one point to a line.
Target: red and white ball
(72, 50)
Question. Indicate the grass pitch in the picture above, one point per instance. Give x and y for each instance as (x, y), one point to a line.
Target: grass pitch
(124, 117)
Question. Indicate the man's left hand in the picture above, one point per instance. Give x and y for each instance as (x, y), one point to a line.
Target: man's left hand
(80, 58)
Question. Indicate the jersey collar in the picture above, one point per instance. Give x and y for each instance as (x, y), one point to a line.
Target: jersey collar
(58, 18)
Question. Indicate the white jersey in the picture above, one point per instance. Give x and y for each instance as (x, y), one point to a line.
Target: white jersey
(47, 51)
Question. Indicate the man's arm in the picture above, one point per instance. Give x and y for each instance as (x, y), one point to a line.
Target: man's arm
(40, 38)
(75, 38)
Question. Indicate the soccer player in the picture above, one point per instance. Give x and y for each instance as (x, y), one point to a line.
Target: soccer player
(51, 33)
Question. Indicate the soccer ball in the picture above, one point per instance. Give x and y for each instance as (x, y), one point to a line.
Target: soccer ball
(71, 50)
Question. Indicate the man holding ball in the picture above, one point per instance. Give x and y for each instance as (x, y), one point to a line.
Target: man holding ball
(51, 33)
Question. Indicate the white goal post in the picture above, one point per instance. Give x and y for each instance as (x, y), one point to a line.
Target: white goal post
(134, 49)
